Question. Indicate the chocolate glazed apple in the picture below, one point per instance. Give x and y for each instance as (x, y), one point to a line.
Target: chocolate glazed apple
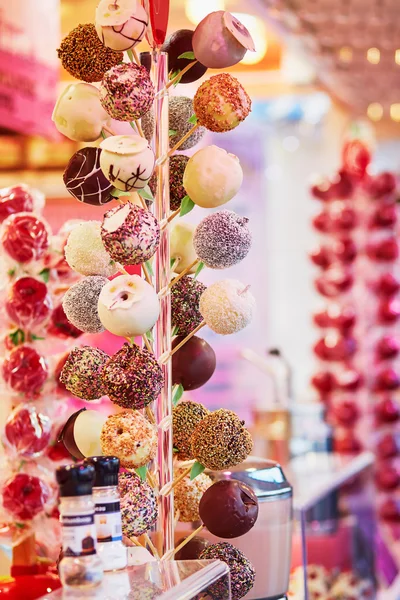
(229, 508)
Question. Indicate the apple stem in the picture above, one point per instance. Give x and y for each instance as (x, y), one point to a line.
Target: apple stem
(179, 75)
(172, 553)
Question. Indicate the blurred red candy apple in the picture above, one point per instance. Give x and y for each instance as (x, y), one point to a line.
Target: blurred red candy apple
(25, 237)
(28, 302)
(24, 370)
(25, 496)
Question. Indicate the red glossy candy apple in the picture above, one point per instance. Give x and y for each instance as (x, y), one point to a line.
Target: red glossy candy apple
(25, 237)
(335, 348)
(324, 381)
(345, 250)
(387, 410)
(344, 219)
(390, 510)
(13, 200)
(388, 446)
(60, 326)
(25, 496)
(27, 431)
(342, 186)
(346, 413)
(322, 222)
(387, 477)
(386, 285)
(343, 319)
(387, 347)
(28, 303)
(322, 257)
(388, 310)
(381, 185)
(386, 380)
(350, 380)
(385, 216)
(356, 158)
(384, 250)
(24, 370)
(334, 282)
(346, 443)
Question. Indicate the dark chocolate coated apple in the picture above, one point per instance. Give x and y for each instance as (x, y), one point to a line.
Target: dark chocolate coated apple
(193, 364)
(192, 550)
(178, 43)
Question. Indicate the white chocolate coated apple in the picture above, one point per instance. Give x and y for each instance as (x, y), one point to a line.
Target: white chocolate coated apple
(87, 431)
(128, 306)
(212, 177)
(181, 246)
(78, 113)
(127, 161)
(123, 27)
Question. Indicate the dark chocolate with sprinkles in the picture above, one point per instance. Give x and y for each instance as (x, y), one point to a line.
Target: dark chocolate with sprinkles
(185, 418)
(139, 508)
(132, 377)
(81, 372)
(83, 55)
(84, 179)
(185, 298)
(222, 239)
(177, 166)
(221, 441)
(241, 570)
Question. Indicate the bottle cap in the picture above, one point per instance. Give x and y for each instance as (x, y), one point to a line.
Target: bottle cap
(106, 470)
(75, 480)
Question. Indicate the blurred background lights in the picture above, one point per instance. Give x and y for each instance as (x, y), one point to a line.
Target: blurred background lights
(196, 10)
(346, 54)
(395, 112)
(397, 56)
(375, 111)
(373, 56)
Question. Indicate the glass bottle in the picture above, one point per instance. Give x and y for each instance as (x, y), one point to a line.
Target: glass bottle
(111, 550)
(80, 566)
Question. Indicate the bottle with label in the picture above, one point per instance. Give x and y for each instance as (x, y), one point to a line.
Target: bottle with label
(80, 566)
(112, 551)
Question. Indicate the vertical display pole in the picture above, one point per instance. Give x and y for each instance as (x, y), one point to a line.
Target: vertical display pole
(165, 525)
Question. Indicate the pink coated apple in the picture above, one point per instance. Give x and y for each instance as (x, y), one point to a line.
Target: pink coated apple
(387, 477)
(25, 237)
(390, 510)
(385, 250)
(387, 410)
(334, 347)
(381, 185)
(386, 285)
(334, 282)
(27, 431)
(28, 303)
(25, 496)
(386, 380)
(60, 326)
(388, 310)
(356, 157)
(346, 412)
(388, 446)
(324, 381)
(346, 443)
(15, 199)
(342, 186)
(25, 371)
(384, 216)
(387, 347)
(350, 380)
(343, 319)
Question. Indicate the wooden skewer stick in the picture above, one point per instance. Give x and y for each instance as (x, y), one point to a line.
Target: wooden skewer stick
(182, 140)
(139, 128)
(164, 359)
(136, 55)
(147, 343)
(179, 75)
(183, 273)
(170, 218)
(108, 130)
(136, 542)
(150, 415)
(167, 489)
(151, 546)
(177, 517)
(146, 274)
(172, 553)
(143, 202)
(151, 479)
